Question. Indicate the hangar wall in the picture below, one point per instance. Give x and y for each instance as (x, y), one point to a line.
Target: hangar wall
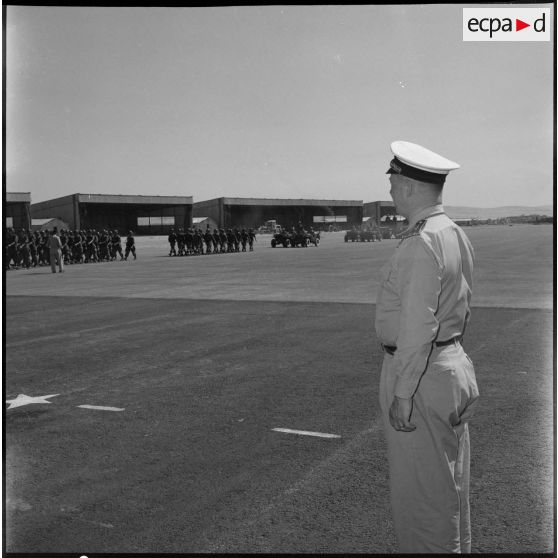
(378, 209)
(59, 208)
(145, 215)
(253, 212)
(17, 212)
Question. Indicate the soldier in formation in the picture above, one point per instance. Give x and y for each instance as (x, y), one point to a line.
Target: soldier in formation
(173, 237)
(130, 245)
(194, 241)
(26, 249)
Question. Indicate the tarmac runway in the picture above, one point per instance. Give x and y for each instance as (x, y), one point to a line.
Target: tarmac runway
(190, 396)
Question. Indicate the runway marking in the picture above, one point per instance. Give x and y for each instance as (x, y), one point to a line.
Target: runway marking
(98, 408)
(306, 433)
(22, 400)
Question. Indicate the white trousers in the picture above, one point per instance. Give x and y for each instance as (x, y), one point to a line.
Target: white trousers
(56, 258)
(429, 467)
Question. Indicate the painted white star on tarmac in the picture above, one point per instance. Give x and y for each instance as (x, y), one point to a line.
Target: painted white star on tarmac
(21, 400)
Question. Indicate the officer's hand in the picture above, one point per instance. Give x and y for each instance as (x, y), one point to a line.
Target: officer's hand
(400, 413)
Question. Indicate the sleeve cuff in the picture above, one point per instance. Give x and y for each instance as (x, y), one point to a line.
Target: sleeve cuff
(405, 389)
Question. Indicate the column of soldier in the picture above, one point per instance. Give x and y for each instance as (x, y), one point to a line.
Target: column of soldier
(28, 249)
(196, 242)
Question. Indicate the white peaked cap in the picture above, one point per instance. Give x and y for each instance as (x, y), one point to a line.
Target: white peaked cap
(421, 158)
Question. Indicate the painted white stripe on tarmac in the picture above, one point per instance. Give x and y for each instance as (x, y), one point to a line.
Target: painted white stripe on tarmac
(306, 433)
(99, 408)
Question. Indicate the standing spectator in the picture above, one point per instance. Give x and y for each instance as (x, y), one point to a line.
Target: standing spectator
(55, 246)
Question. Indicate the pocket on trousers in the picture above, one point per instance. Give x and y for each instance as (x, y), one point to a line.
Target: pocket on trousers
(472, 392)
(440, 367)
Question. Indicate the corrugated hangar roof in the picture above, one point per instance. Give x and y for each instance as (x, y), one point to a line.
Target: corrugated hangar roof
(276, 201)
(18, 197)
(381, 203)
(119, 198)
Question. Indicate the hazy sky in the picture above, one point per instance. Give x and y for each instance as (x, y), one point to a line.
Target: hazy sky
(270, 101)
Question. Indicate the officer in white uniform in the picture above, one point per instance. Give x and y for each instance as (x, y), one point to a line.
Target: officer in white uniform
(428, 388)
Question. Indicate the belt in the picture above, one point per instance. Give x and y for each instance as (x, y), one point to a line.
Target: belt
(390, 349)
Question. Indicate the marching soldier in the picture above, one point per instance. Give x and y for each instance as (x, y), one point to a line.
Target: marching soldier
(33, 248)
(208, 237)
(117, 244)
(223, 240)
(11, 249)
(78, 252)
(24, 252)
(110, 246)
(251, 239)
(44, 248)
(189, 241)
(91, 254)
(243, 239)
(172, 241)
(230, 240)
(216, 241)
(103, 245)
(130, 245)
(181, 241)
(65, 247)
(199, 242)
(236, 236)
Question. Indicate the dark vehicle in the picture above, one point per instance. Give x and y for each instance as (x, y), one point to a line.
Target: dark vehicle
(363, 236)
(283, 238)
(299, 239)
(314, 237)
(353, 236)
(387, 232)
(304, 238)
(370, 236)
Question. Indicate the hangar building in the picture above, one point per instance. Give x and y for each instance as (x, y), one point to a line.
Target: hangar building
(16, 210)
(148, 215)
(254, 212)
(378, 209)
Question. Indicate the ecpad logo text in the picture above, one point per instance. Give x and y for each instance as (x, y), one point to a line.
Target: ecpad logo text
(506, 24)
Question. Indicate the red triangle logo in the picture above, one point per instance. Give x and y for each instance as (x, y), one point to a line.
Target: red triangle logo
(519, 25)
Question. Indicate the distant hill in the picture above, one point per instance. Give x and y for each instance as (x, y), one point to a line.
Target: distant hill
(458, 212)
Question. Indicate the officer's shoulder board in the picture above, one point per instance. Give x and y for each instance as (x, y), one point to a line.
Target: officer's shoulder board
(415, 231)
